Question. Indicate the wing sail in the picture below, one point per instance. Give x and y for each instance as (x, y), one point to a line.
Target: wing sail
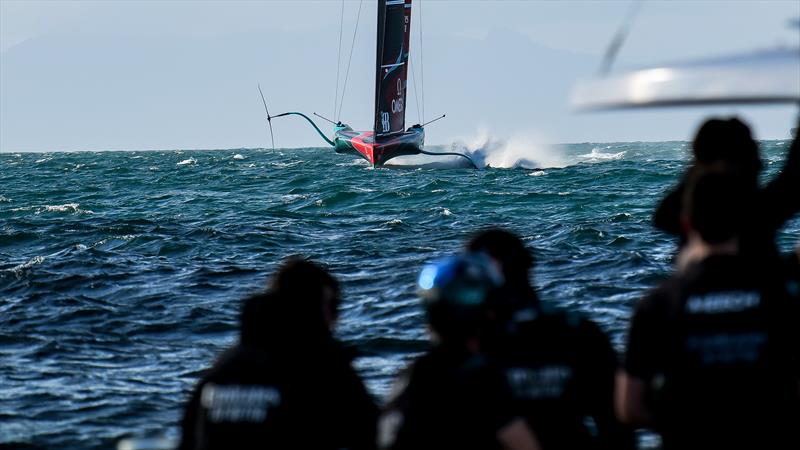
(394, 33)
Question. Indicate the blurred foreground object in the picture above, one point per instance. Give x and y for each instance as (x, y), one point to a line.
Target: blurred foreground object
(770, 76)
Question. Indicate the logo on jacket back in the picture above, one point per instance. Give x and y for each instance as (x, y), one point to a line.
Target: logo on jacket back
(540, 382)
(237, 403)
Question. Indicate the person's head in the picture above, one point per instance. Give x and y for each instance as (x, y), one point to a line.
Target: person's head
(727, 143)
(716, 204)
(456, 292)
(507, 250)
(301, 304)
(257, 318)
(308, 289)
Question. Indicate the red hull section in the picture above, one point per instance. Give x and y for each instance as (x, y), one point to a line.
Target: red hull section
(363, 143)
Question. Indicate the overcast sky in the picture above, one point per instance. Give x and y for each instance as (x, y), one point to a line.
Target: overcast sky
(129, 75)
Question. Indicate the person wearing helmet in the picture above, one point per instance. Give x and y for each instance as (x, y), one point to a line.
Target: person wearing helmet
(560, 366)
(287, 383)
(453, 396)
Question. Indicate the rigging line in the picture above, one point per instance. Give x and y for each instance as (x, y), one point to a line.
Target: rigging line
(338, 61)
(619, 38)
(349, 60)
(421, 63)
(414, 81)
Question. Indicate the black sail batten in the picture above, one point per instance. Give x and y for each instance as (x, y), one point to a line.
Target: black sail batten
(394, 35)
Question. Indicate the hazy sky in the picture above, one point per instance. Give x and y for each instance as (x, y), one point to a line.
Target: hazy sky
(110, 75)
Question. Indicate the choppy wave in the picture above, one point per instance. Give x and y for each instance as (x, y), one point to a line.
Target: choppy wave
(187, 162)
(599, 154)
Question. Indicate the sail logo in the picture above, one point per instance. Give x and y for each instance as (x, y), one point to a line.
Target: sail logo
(397, 105)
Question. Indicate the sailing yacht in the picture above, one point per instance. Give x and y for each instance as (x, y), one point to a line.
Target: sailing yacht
(388, 137)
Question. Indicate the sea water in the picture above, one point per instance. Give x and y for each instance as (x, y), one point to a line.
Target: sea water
(122, 273)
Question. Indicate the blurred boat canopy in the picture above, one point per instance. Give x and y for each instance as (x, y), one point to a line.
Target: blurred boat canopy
(770, 76)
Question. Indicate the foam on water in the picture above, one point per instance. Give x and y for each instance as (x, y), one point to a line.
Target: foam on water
(73, 208)
(598, 154)
(522, 150)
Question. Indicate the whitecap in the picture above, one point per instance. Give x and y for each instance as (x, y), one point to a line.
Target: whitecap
(238, 156)
(73, 208)
(62, 208)
(538, 173)
(291, 198)
(523, 150)
(4, 199)
(27, 264)
(597, 154)
(39, 161)
(564, 193)
(355, 162)
(251, 165)
(124, 237)
(394, 222)
(282, 165)
(187, 162)
(446, 212)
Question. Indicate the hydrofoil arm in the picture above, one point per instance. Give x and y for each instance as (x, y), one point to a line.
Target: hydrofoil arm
(330, 142)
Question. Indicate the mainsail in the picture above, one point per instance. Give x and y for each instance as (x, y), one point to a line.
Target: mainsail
(394, 32)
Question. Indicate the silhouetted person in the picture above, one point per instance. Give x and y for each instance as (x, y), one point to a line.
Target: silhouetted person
(560, 366)
(287, 383)
(712, 357)
(453, 397)
(727, 145)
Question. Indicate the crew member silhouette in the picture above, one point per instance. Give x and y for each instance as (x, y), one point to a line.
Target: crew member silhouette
(560, 366)
(712, 356)
(728, 145)
(287, 383)
(453, 396)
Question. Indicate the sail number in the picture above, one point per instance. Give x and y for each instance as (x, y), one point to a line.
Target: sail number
(385, 121)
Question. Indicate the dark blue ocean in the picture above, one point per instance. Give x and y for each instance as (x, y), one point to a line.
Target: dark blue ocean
(122, 273)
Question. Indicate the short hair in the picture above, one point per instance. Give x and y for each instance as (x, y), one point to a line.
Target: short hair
(301, 278)
(506, 247)
(292, 306)
(717, 203)
(727, 141)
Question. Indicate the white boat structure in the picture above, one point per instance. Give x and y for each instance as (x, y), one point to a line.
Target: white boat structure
(769, 76)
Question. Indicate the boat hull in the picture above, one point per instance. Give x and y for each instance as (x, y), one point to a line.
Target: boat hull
(378, 151)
